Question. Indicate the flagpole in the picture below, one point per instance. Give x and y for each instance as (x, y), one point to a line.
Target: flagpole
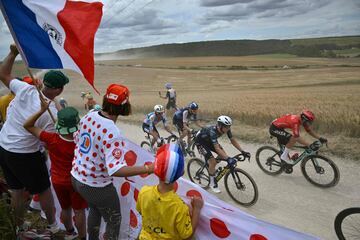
(40, 93)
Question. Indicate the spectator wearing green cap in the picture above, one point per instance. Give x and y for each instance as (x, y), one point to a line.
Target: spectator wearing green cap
(19, 150)
(61, 148)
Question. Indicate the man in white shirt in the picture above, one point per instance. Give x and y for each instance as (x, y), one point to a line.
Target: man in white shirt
(20, 157)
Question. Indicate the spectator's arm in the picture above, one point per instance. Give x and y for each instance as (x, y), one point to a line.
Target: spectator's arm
(7, 64)
(197, 203)
(29, 124)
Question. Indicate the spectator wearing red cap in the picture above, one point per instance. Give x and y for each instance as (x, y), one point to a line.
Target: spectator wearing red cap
(173, 220)
(19, 150)
(99, 156)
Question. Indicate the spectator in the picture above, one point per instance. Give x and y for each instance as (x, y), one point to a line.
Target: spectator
(19, 150)
(170, 96)
(90, 102)
(6, 99)
(164, 214)
(99, 156)
(63, 103)
(61, 148)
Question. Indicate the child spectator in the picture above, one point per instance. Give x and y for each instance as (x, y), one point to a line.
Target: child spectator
(61, 151)
(164, 214)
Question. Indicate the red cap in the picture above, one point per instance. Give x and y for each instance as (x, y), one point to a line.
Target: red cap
(117, 94)
(28, 80)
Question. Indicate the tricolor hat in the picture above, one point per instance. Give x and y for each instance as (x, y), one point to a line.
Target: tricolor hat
(117, 94)
(169, 163)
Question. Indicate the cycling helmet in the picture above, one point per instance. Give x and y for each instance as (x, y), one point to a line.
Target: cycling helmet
(224, 120)
(168, 85)
(169, 163)
(193, 106)
(159, 109)
(307, 116)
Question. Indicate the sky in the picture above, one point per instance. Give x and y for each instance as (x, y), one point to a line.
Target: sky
(138, 23)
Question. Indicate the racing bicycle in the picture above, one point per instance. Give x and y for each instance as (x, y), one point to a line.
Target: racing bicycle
(347, 224)
(186, 151)
(317, 169)
(152, 149)
(239, 184)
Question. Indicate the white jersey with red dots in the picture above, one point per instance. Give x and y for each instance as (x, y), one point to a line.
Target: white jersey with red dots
(99, 150)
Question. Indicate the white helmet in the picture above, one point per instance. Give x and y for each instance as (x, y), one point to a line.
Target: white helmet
(159, 109)
(224, 120)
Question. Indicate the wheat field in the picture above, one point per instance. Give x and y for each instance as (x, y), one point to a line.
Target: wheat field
(253, 98)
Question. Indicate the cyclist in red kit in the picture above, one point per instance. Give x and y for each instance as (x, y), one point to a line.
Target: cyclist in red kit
(293, 122)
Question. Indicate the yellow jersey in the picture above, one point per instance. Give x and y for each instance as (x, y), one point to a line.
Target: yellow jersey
(164, 216)
(4, 103)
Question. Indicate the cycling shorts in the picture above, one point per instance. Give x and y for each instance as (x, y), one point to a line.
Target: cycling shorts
(204, 148)
(282, 136)
(146, 128)
(171, 104)
(178, 123)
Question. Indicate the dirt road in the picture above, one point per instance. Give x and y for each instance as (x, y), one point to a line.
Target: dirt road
(289, 200)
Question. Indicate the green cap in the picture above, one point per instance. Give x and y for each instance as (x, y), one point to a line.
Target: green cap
(55, 79)
(67, 122)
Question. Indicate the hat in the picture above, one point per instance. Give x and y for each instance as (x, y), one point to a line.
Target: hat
(67, 122)
(28, 80)
(117, 94)
(169, 163)
(55, 79)
(168, 85)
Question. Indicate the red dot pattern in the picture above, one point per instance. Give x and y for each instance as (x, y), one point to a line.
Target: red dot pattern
(136, 194)
(219, 228)
(130, 158)
(133, 219)
(257, 237)
(125, 188)
(192, 193)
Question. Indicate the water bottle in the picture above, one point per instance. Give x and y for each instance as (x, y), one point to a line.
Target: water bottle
(218, 171)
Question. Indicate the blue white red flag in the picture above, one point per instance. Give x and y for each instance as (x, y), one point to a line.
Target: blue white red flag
(55, 34)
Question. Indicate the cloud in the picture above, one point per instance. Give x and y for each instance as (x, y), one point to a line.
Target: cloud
(139, 23)
(217, 3)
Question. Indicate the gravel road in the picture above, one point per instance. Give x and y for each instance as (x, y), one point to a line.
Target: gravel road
(288, 199)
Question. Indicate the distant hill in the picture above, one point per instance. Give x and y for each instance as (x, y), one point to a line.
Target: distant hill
(311, 47)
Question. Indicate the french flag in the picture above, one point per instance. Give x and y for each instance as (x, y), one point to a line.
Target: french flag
(55, 34)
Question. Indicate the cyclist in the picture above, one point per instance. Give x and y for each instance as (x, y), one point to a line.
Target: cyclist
(206, 142)
(181, 120)
(153, 118)
(171, 96)
(293, 122)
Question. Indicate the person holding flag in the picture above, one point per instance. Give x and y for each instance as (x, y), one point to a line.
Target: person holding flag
(20, 158)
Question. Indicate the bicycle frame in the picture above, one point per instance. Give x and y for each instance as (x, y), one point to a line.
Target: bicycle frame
(307, 152)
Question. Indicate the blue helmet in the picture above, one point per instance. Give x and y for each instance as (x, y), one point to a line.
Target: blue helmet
(168, 85)
(193, 106)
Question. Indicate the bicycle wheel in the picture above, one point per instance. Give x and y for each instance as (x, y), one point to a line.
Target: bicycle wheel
(268, 159)
(172, 139)
(241, 187)
(198, 173)
(320, 171)
(145, 145)
(347, 224)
